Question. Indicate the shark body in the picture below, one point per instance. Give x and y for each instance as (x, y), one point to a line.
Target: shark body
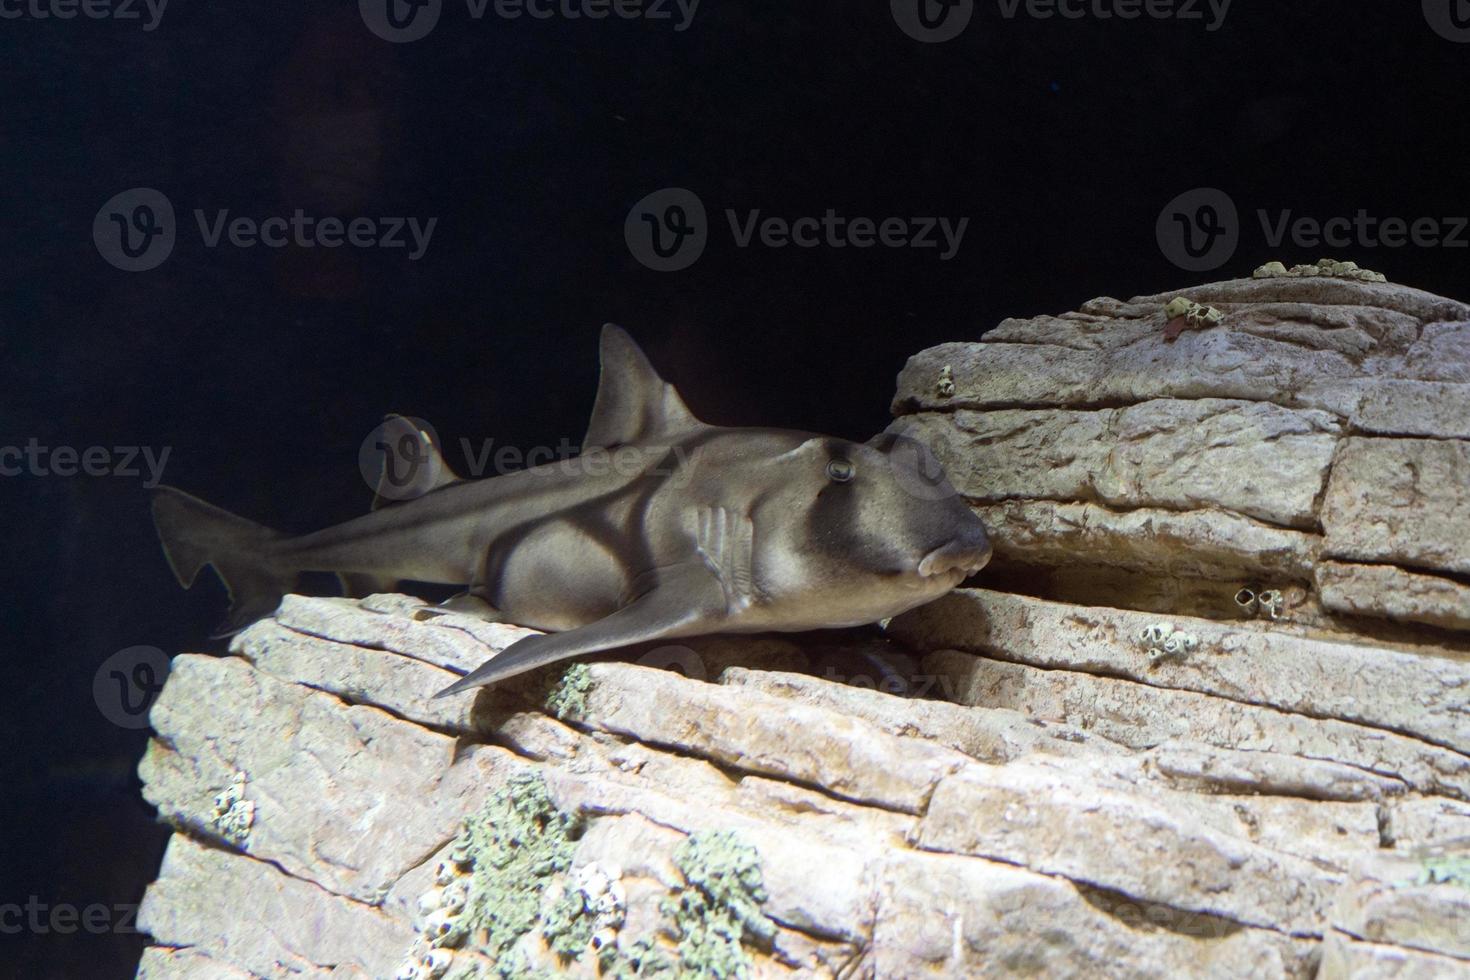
(664, 527)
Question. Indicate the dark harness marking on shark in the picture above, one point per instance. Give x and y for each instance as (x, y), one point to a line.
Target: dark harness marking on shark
(722, 530)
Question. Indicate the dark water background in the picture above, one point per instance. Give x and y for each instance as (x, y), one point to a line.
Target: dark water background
(262, 370)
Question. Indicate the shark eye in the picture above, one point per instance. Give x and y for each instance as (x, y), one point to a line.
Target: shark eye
(840, 471)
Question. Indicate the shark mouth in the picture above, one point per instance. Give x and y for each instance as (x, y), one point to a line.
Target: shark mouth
(959, 557)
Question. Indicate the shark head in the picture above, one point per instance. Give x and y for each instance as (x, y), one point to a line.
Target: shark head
(846, 533)
(804, 531)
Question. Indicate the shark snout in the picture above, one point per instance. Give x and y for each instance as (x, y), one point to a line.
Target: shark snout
(967, 553)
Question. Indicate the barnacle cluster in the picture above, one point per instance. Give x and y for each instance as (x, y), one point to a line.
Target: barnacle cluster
(945, 385)
(1323, 267)
(1197, 315)
(1162, 642)
(488, 889)
(1181, 313)
(440, 927)
(1268, 602)
(588, 913)
(509, 875)
(233, 814)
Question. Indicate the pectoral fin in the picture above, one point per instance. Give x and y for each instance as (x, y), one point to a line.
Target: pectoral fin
(470, 604)
(687, 600)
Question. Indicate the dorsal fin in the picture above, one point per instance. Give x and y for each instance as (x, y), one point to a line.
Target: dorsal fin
(634, 405)
(410, 447)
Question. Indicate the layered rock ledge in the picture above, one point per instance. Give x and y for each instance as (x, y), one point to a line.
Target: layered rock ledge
(1035, 799)
(1315, 443)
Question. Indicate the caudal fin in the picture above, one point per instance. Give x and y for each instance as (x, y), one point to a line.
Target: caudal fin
(195, 534)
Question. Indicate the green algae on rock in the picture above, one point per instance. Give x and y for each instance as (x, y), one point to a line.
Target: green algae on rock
(720, 909)
(568, 694)
(514, 846)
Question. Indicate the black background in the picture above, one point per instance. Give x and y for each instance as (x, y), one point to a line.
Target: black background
(263, 370)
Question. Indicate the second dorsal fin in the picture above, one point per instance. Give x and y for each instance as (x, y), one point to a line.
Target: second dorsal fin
(411, 463)
(634, 404)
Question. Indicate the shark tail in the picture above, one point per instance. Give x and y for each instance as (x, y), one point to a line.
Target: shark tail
(195, 534)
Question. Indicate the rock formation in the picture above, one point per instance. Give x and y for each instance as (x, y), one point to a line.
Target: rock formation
(1315, 443)
(1099, 763)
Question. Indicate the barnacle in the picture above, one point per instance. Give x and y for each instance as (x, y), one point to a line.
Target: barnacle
(1322, 267)
(1155, 633)
(1164, 641)
(443, 928)
(233, 815)
(1181, 312)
